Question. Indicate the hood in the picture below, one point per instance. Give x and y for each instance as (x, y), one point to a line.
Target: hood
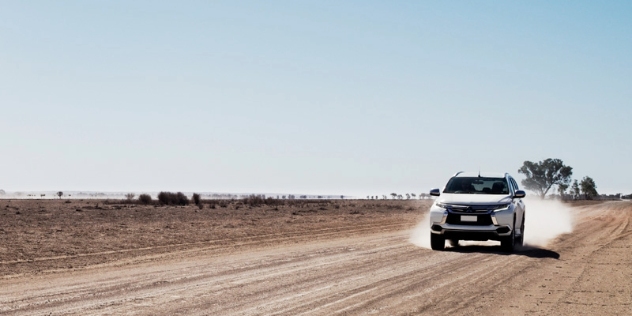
(474, 199)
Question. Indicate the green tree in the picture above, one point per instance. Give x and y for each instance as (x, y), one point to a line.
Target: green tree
(542, 175)
(588, 187)
(561, 188)
(575, 189)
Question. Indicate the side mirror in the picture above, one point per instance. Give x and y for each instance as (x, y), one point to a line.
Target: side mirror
(520, 194)
(435, 192)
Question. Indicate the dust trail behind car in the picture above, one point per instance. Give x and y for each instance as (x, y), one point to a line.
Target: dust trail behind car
(545, 221)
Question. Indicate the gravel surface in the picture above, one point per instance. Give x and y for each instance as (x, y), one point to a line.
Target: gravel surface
(299, 258)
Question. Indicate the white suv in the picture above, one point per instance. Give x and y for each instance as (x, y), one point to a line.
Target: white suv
(475, 206)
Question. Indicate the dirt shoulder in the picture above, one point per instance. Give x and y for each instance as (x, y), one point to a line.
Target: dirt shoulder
(39, 236)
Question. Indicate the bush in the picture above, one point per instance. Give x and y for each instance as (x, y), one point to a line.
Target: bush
(255, 200)
(182, 199)
(144, 198)
(170, 198)
(196, 199)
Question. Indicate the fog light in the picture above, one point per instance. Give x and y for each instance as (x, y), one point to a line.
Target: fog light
(503, 230)
(436, 228)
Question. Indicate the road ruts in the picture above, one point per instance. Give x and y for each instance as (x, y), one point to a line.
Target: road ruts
(369, 272)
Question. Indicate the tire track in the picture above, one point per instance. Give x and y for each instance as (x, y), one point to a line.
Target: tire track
(359, 270)
(234, 242)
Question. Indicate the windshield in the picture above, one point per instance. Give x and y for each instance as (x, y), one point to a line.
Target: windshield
(476, 185)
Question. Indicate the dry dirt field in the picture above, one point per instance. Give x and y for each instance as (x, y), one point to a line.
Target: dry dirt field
(299, 258)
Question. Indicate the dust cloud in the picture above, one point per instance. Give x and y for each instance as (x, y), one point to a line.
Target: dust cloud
(545, 220)
(420, 236)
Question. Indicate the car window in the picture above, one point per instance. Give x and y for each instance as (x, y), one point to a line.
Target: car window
(477, 185)
(515, 184)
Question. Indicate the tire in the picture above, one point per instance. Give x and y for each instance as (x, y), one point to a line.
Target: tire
(508, 244)
(437, 242)
(521, 239)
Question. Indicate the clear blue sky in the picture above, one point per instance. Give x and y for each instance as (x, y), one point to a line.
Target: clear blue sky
(317, 97)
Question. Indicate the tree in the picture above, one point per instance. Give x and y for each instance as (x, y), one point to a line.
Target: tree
(394, 195)
(541, 176)
(59, 194)
(130, 196)
(561, 188)
(588, 187)
(575, 189)
(413, 195)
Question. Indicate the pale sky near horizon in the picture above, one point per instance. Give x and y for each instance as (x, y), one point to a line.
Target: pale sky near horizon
(315, 97)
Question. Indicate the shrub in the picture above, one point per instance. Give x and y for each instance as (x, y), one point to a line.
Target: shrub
(144, 198)
(196, 199)
(129, 196)
(255, 200)
(170, 198)
(181, 199)
(259, 199)
(164, 197)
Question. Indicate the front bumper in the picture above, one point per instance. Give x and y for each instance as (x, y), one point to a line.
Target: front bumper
(487, 226)
(462, 232)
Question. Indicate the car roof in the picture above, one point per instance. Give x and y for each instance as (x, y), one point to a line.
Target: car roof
(480, 174)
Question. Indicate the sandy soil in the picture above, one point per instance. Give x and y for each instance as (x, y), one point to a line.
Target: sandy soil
(320, 258)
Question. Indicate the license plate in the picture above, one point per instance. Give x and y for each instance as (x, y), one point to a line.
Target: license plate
(468, 218)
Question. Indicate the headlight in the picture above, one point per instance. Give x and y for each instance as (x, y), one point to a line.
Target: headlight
(502, 207)
(441, 205)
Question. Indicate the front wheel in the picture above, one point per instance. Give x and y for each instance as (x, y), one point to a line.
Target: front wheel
(521, 239)
(508, 244)
(437, 242)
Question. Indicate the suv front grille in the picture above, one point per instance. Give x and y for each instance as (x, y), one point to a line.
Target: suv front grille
(481, 219)
(472, 208)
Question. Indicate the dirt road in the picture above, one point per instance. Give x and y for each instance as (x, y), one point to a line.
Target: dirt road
(362, 269)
